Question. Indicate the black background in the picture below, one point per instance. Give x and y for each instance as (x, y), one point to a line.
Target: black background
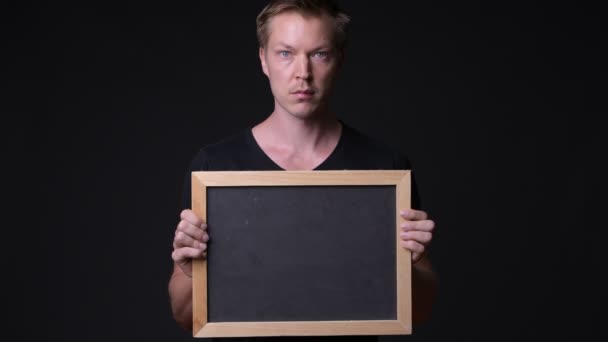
(497, 105)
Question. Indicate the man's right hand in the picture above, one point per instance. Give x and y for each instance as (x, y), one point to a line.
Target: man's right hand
(190, 241)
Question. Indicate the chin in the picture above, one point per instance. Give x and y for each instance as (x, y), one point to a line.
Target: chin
(303, 114)
(304, 110)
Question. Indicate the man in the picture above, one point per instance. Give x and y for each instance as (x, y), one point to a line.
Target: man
(301, 50)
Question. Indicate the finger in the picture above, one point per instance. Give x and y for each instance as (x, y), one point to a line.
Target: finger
(191, 230)
(425, 225)
(414, 215)
(416, 257)
(412, 246)
(191, 217)
(423, 238)
(185, 254)
(183, 240)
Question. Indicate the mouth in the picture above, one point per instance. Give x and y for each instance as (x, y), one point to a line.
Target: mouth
(304, 94)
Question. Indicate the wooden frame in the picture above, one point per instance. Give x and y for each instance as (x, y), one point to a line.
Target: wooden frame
(402, 325)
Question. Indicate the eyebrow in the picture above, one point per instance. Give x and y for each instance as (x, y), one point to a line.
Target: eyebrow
(289, 47)
(286, 46)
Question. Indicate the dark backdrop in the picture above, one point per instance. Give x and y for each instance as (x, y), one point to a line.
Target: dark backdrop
(498, 107)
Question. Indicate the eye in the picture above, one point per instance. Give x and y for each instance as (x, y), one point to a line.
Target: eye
(284, 54)
(322, 54)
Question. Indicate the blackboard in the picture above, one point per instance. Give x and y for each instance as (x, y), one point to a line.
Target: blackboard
(302, 253)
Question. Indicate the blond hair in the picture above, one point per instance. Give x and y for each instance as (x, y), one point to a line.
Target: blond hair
(305, 7)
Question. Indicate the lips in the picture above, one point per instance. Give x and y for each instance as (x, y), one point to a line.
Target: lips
(304, 92)
(303, 95)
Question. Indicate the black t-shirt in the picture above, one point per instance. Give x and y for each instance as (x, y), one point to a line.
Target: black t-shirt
(241, 152)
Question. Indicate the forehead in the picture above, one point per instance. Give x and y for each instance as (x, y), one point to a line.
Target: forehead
(297, 30)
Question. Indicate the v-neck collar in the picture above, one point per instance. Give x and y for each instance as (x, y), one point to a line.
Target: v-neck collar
(322, 165)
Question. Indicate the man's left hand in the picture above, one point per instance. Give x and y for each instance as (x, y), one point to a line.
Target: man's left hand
(416, 232)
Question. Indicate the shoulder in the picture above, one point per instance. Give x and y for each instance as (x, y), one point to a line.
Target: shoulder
(234, 143)
(232, 146)
(373, 149)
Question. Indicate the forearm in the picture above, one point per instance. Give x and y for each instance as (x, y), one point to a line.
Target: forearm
(180, 293)
(424, 290)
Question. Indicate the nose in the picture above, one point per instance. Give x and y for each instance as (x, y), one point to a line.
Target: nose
(303, 68)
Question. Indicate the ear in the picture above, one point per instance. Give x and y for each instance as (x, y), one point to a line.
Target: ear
(262, 54)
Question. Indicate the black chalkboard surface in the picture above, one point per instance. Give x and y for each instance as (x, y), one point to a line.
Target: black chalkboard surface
(300, 253)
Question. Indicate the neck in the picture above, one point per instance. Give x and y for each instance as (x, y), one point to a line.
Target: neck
(299, 135)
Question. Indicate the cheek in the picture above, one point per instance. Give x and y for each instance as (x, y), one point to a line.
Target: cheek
(324, 70)
(324, 76)
(279, 73)
(279, 83)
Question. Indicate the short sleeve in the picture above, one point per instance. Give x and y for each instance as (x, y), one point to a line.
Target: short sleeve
(200, 162)
(403, 163)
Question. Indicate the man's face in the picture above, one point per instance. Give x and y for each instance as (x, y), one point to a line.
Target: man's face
(300, 62)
